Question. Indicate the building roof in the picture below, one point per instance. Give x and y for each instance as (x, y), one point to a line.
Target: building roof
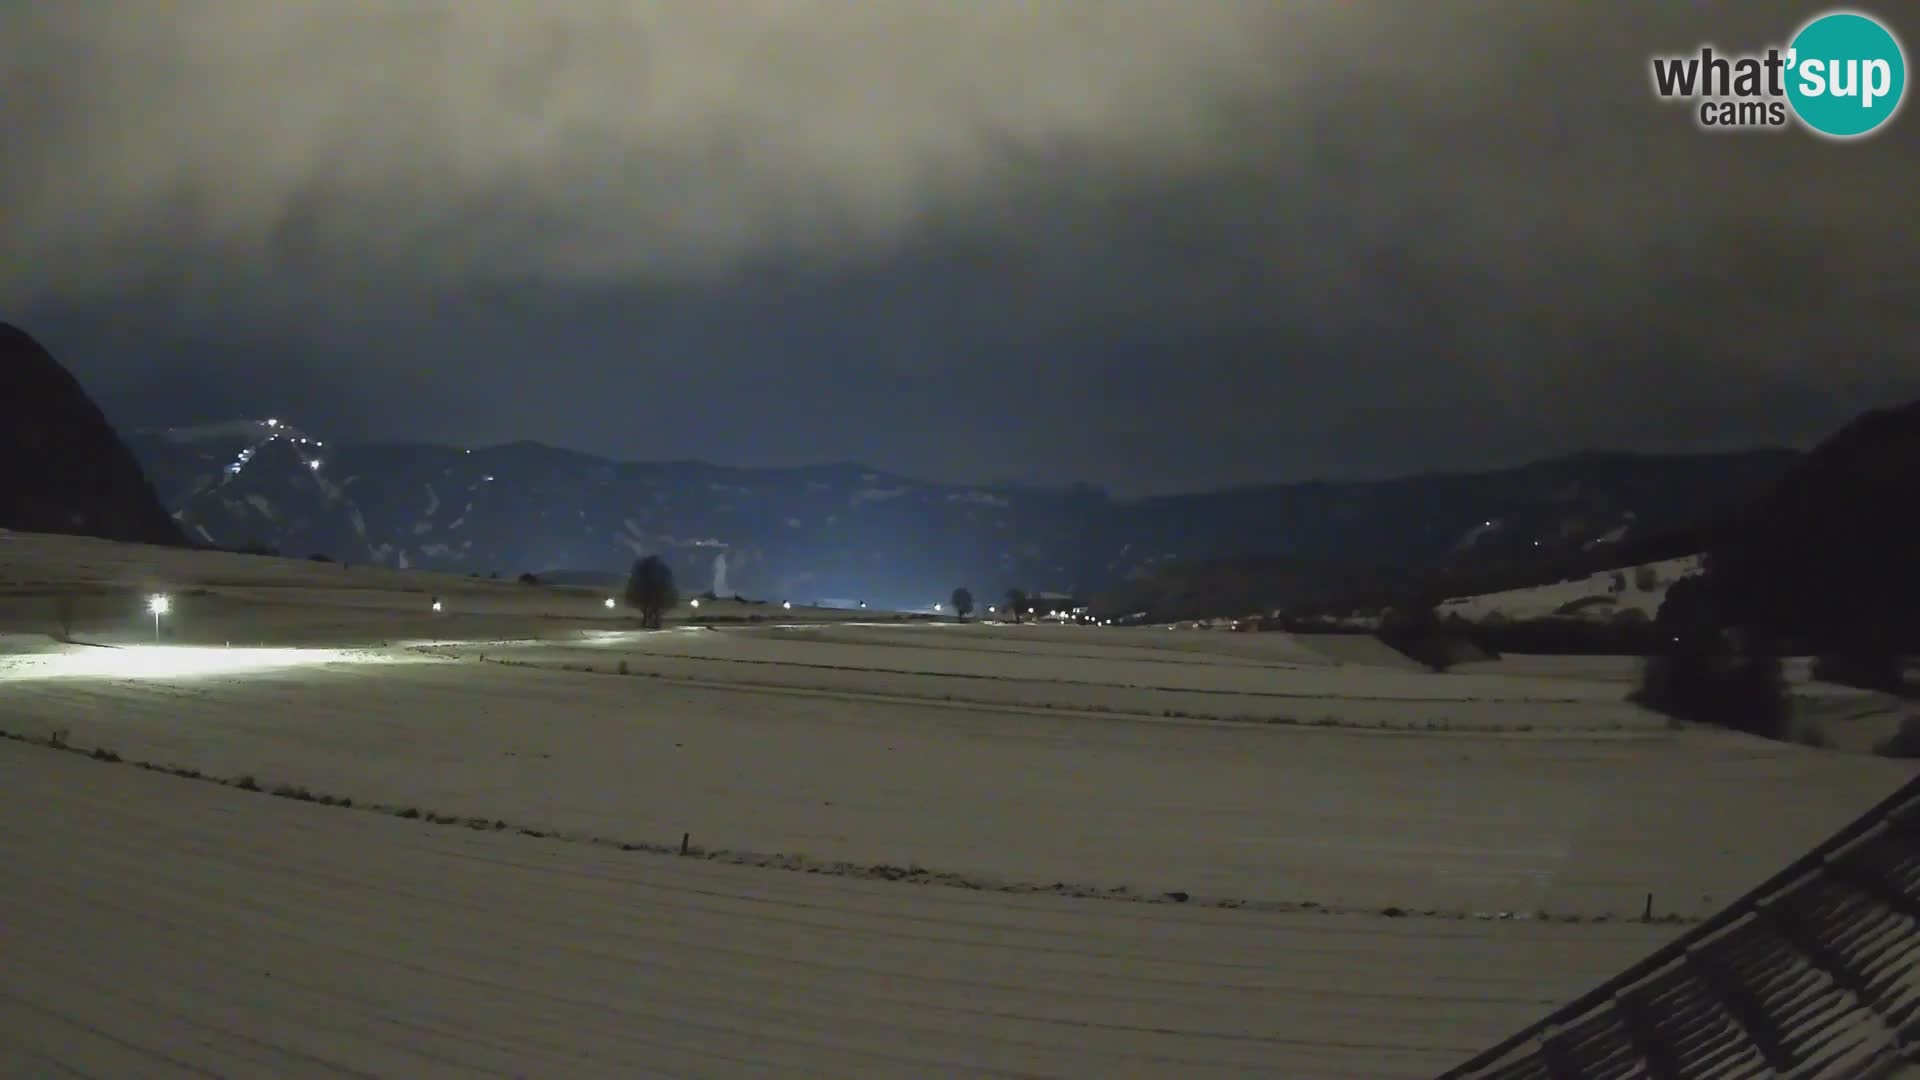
(1813, 974)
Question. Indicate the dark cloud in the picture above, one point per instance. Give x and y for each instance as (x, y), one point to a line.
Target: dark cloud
(1155, 245)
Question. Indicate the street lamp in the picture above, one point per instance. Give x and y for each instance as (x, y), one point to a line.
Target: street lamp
(436, 603)
(609, 601)
(787, 604)
(159, 604)
(695, 601)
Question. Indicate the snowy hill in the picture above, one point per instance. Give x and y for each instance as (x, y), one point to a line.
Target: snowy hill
(1599, 597)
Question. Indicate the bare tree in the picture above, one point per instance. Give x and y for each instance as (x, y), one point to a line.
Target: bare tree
(1017, 603)
(962, 602)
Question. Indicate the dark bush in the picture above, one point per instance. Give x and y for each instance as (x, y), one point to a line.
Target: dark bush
(1705, 678)
(1904, 743)
(529, 579)
(1414, 630)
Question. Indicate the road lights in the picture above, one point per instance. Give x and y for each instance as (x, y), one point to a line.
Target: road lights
(609, 603)
(159, 604)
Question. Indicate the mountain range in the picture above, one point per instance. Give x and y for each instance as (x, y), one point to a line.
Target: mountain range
(848, 533)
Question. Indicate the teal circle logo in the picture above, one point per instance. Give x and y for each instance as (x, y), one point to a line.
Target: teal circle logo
(1847, 75)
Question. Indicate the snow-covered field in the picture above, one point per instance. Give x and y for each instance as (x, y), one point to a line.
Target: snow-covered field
(1118, 851)
(1598, 596)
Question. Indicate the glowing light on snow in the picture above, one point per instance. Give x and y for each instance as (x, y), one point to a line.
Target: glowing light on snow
(159, 604)
(171, 661)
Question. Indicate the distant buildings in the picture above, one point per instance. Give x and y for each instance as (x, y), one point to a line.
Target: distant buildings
(1053, 605)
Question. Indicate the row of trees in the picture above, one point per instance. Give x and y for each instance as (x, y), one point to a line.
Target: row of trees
(1016, 599)
(1018, 603)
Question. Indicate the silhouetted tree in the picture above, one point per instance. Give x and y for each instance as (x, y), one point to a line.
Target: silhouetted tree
(1017, 603)
(1678, 679)
(1646, 578)
(1414, 629)
(962, 602)
(529, 579)
(650, 590)
(1709, 675)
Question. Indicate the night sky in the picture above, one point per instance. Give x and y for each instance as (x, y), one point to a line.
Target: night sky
(1153, 245)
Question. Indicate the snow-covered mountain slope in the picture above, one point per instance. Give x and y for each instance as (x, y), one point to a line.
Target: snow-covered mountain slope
(1599, 597)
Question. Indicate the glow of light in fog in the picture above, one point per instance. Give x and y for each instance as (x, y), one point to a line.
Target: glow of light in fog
(170, 661)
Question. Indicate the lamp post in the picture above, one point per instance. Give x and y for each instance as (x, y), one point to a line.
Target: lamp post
(159, 605)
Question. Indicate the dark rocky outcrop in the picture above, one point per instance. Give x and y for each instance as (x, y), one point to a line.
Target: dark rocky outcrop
(62, 467)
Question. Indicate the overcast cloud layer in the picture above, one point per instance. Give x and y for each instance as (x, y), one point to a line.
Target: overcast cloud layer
(1155, 245)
